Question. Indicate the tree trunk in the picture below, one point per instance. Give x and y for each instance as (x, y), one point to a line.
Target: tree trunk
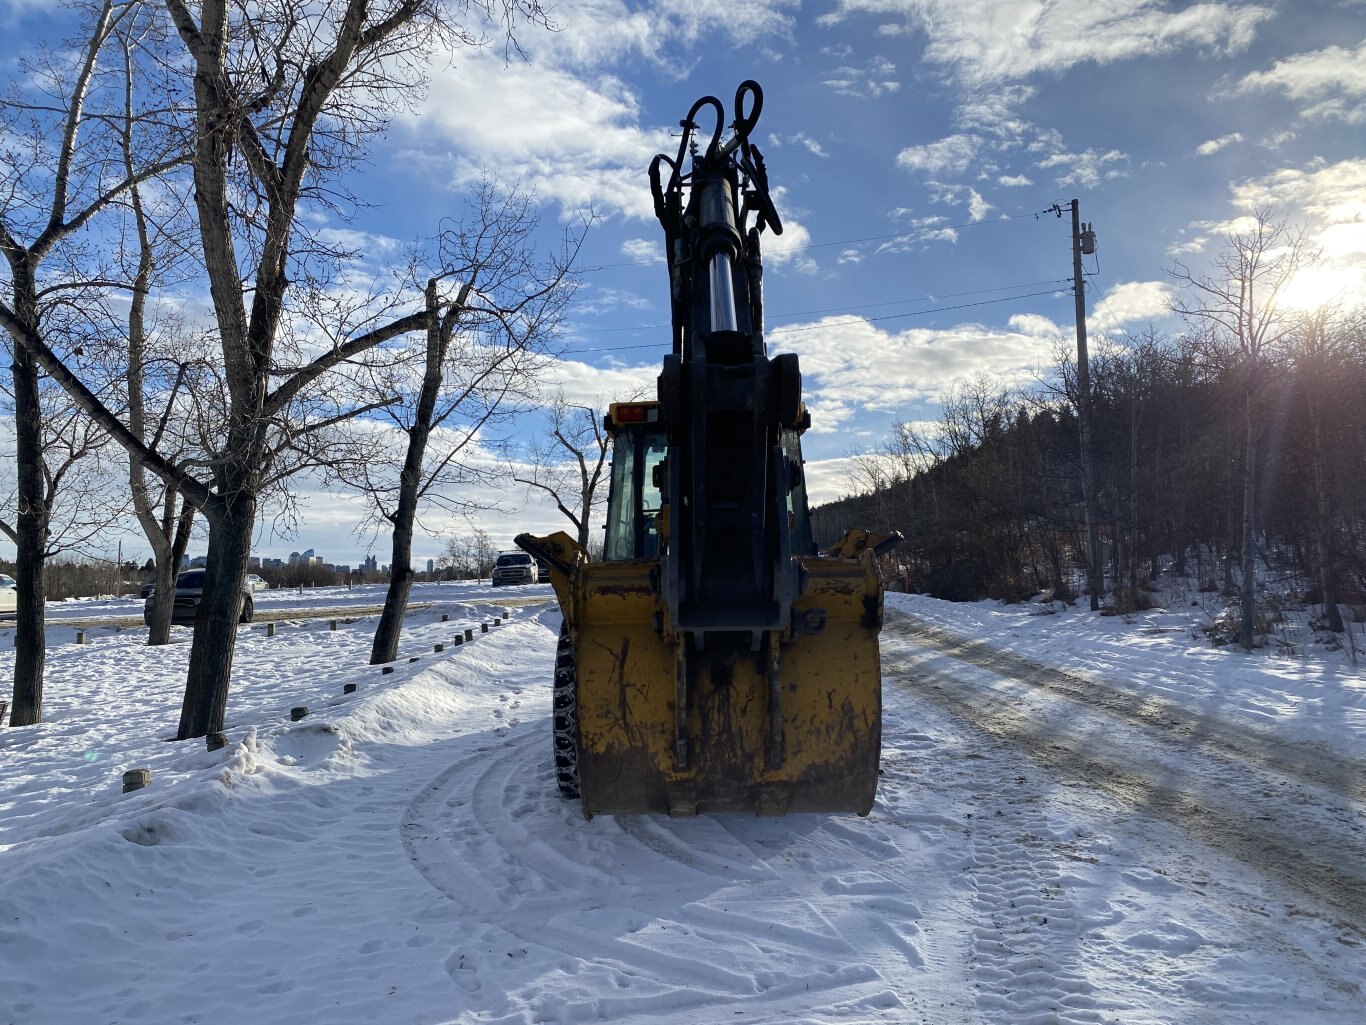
(167, 567)
(384, 648)
(30, 641)
(1322, 547)
(1135, 423)
(1248, 596)
(231, 521)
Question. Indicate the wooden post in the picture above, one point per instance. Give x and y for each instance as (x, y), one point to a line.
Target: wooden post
(469, 633)
(334, 624)
(298, 712)
(438, 647)
(348, 688)
(270, 629)
(80, 636)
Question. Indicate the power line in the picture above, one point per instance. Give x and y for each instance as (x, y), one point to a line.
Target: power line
(937, 309)
(925, 298)
(822, 327)
(904, 235)
(863, 306)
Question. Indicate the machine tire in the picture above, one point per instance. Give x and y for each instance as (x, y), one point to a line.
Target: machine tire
(248, 609)
(565, 715)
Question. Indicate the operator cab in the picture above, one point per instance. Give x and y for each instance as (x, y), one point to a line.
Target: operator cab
(635, 498)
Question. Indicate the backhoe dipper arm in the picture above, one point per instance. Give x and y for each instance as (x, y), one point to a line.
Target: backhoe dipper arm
(726, 404)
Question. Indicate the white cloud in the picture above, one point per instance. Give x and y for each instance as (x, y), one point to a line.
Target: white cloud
(745, 21)
(988, 41)
(977, 206)
(800, 139)
(606, 300)
(950, 155)
(586, 385)
(1011, 181)
(871, 369)
(563, 124)
(643, 250)
(585, 148)
(1087, 168)
(1331, 81)
(827, 479)
(993, 111)
(1330, 199)
(1327, 200)
(791, 247)
(1131, 303)
(874, 79)
(1212, 146)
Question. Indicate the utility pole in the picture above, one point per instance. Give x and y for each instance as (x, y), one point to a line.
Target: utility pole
(1084, 242)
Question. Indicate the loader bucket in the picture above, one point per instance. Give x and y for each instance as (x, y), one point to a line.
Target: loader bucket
(680, 725)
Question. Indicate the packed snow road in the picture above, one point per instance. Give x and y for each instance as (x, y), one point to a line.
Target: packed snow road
(1284, 809)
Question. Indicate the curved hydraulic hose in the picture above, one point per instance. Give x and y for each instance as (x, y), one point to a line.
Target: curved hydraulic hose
(751, 161)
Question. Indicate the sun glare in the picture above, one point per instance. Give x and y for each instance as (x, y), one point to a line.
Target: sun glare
(1316, 287)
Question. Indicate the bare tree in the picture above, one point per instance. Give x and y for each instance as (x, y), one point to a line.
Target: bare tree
(157, 370)
(285, 98)
(472, 555)
(1323, 341)
(1238, 306)
(62, 171)
(483, 349)
(79, 474)
(568, 464)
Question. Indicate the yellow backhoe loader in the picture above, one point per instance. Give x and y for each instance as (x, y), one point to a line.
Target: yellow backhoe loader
(711, 661)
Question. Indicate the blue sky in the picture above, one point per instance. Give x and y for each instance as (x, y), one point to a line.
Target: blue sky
(914, 145)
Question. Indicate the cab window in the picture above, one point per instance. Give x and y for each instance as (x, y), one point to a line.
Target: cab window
(634, 501)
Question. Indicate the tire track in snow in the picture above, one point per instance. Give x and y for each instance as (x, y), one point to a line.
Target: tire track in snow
(628, 912)
(1024, 937)
(1253, 808)
(1314, 765)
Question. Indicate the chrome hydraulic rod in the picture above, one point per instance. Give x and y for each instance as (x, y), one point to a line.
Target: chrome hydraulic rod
(722, 293)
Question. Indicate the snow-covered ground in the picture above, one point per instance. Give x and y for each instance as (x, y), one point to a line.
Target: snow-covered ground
(1090, 820)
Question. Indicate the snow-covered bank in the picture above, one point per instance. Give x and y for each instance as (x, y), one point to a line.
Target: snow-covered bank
(400, 854)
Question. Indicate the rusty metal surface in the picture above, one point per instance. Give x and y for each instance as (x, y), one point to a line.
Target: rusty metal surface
(829, 697)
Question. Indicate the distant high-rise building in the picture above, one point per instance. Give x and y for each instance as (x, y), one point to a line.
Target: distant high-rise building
(431, 565)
